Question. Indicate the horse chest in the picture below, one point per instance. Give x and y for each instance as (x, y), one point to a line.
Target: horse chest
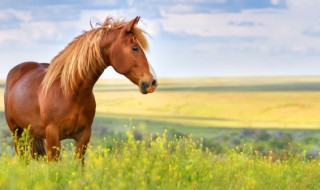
(70, 119)
(72, 124)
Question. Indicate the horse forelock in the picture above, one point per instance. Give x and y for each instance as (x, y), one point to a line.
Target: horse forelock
(82, 57)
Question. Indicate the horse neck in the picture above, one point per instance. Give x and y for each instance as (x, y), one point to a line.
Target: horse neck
(86, 85)
(106, 43)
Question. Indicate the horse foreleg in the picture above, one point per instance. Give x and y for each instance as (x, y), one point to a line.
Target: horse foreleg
(53, 143)
(81, 144)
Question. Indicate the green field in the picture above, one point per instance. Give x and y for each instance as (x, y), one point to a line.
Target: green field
(159, 163)
(250, 133)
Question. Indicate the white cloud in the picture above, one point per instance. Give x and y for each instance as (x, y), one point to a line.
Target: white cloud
(275, 2)
(200, 24)
(180, 8)
(94, 16)
(302, 3)
(7, 14)
(312, 31)
(11, 34)
(4, 15)
(34, 32)
(45, 30)
(200, 1)
(299, 48)
(152, 26)
(282, 28)
(104, 2)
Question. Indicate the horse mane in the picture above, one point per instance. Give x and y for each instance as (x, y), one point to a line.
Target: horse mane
(82, 57)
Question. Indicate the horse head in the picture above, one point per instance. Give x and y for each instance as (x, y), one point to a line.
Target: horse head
(125, 49)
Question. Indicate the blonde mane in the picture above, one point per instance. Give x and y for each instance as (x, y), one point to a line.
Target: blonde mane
(82, 57)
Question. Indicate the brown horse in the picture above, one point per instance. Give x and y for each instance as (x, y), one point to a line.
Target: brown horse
(57, 99)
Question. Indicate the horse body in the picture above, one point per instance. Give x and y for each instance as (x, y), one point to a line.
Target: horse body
(65, 117)
(21, 95)
(57, 99)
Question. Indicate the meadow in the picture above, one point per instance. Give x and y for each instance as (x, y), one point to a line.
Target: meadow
(159, 163)
(267, 112)
(204, 133)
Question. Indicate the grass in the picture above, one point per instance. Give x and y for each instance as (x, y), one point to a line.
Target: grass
(248, 133)
(159, 163)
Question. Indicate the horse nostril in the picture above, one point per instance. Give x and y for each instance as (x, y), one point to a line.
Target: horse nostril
(154, 82)
(143, 87)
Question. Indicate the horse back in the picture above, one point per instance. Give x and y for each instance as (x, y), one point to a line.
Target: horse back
(20, 70)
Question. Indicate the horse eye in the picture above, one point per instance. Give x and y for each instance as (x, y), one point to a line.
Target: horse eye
(135, 48)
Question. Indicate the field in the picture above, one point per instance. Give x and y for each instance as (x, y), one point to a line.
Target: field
(213, 103)
(268, 112)
(250, 133)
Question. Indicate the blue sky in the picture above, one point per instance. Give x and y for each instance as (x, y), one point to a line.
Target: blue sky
(189, 38)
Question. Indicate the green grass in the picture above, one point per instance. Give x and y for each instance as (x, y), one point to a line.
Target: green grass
(159, 163)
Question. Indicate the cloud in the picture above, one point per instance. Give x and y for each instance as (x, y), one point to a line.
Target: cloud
(55, 13)
(75, 3)
(32, 30)
(244, 24)
(300, 3)
(285, 31)
(21, 27)
(313, 31)
(104, 2)
(275, 2)
(36, 32)
(181, 8)
(203, 6)
(10, 14)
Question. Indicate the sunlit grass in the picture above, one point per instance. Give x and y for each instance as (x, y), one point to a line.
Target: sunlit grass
(280, 102)
(159, 163)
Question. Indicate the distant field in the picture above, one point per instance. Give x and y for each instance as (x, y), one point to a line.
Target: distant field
(262, 102)
(201, 104)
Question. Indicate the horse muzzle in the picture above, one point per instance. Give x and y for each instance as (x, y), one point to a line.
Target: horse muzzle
(148, 87)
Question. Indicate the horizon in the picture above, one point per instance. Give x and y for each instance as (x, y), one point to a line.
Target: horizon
(120, 77)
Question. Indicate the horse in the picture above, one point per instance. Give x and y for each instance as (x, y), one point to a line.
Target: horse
(57, 99)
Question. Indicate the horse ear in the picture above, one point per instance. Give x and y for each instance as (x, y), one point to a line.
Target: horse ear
(130, 25)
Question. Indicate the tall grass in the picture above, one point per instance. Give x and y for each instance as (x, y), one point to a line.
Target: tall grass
(158, 163)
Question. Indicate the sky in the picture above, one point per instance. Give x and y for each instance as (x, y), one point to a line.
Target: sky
(188, 38)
